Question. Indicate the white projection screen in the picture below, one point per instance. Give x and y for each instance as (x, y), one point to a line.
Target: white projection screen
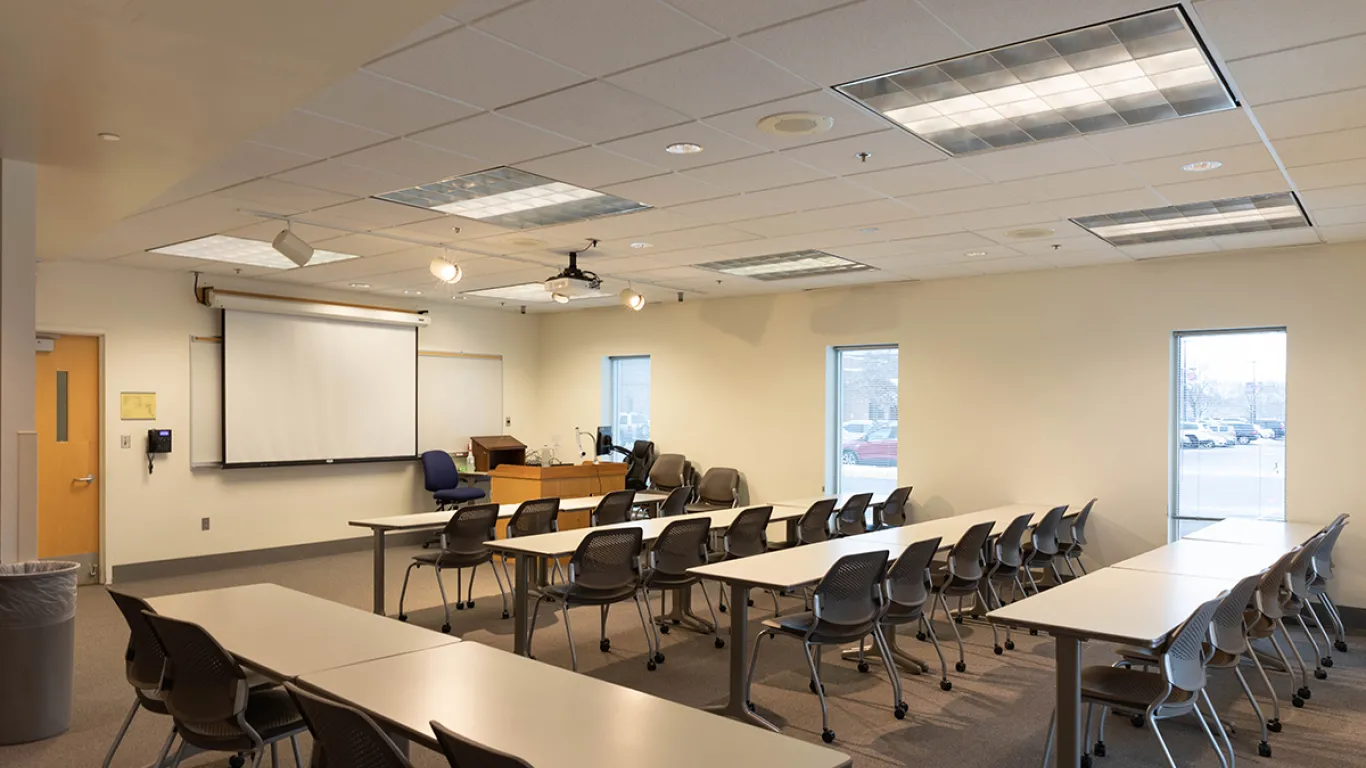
(301, 390)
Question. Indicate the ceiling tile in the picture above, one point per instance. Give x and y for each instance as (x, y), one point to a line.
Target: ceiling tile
(856, 215)
(447, 229)
(1058, 186)
(362, 245)
(1061, 245)
(667, 190)
(913, 180)
(993, 23)
(892, 148)
(850, 120)
(165, 262)
(599, 36)
(1333, 217)
(859, 40)
(963, 199)
(340, 177)
(378, 103)
(1249, 158)
(1036, 159)
(956, 243)
(1083, 258)
(506, 74)
(315, 135)
(1272, 239)
(727, 209)
(495, 139)
(999, 223)
(1344, 234)
(735, 18)
(1110, 202)
(1322, 148)
(1291, 74)
(247, 160)
(717, 146)
(1213, 130)
(267, 229)
(1172, 248)
(703, 82)
(639, 223)
(467, 11)
(412, 160)
(282, 197)
(693, 238)
(1334, 197)
(1316, 114)
(825, 193)
(595, 112)
(1241, 28)
(370, 214)
(429, 30)
(1329, 174)
(1220, 188)
(590, 167)
(755, 173)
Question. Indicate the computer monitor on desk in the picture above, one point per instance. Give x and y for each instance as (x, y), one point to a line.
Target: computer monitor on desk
(603, 446)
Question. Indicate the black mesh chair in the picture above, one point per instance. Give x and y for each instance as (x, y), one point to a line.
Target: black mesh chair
(462, 753)
(532, 518)
(463, 545)
(604, 570)
(614, 508)
(847, 606)
(680, 546)
(1072, 538)
(853, 516)
(892, 513)
(746, 536)
(347, 736)
(638, 463)
(1004, 561)
(812, 526)
(143, 662)
(908, 589)
(1042, 550)
(718, 489)
(214, 708)
(960, 577)
(677, 502)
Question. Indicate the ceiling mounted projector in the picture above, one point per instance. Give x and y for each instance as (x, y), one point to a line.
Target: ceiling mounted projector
(572, 282)
(293, 247)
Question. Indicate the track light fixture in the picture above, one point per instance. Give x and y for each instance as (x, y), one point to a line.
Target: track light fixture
(631, 299)
(445, 270)
(291, 246)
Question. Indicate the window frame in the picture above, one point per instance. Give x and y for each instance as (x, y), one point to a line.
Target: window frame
(612, 400)
(835, 409)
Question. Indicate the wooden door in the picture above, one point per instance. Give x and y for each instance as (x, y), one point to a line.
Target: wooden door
(68, 391)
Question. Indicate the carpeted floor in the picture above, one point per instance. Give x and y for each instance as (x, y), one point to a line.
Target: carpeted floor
(995, 716)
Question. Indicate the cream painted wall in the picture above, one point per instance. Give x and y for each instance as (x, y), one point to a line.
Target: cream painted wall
(1046, 386)
(146, 318)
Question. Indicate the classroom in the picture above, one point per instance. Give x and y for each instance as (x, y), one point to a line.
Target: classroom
(359, 360)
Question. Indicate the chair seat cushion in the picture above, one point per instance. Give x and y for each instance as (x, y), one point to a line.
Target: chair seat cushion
(575, 594)
(798, 624)
(1126, 688)
(951, 585)
(271, 713)
(454, 559)
(655, 579)
(702, 506)
(458, 494)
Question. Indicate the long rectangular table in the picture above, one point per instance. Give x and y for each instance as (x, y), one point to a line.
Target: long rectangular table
(433, 521)
(525, 549)
(1200, 557)
(879, 498)
(551, 717)
(1245, 531)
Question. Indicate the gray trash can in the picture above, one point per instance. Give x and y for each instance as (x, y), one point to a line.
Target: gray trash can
(37, 648)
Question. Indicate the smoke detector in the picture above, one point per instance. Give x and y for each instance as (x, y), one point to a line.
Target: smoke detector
(796, 124)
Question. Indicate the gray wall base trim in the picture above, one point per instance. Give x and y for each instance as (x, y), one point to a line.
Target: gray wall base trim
(1352, 618)
(189, 566)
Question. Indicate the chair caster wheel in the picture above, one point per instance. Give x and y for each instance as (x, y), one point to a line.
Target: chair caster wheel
(998, 650)
(1033, 632)
(719, 643)
(900, 711)
(675, 622)
(1085, 761)
(1305, 693)
(605, 646)
(236, 761)
(664, 630)
(506, 615)
(446, 628)
(1340, 646)
(961, 667)
(945, 685)
(750, 603)
(1319, 674)
(469, 604)
(659, 657)
(920, 636)
(1136, 721)
(1010, 645)
(1100, 749)
(1326, 661)
(863, 667)
(459, 606)
(749, 705)
(1264, 750)
(1274, 725)
(403, 617)
(812, 686)
(957, 619)
(1297, 701)
(721, 608)
(651, 665)
(828, 736)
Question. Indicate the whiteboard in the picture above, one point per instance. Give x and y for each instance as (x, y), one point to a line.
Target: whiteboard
(206, 401)
(458, 396)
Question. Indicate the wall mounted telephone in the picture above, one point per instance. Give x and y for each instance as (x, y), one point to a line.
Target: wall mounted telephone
(158, 441)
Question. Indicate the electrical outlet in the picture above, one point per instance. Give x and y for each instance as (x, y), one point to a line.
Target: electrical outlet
(507, 422)
(125, 441)
(203, 523)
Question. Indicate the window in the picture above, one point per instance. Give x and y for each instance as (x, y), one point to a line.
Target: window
(864, 395)
(1229, 436)
(626, 398)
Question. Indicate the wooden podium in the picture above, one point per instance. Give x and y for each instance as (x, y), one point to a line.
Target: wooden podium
(515, 483)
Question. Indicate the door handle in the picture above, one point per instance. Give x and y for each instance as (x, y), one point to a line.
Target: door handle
(87, 479)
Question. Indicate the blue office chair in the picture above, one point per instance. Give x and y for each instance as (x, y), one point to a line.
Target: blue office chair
(442, 479)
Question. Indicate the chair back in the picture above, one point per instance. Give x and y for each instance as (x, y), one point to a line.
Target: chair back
(462, 753)
(893, 511)
(143, 661)
(1183, 663)
(348, 737)
(849, 597)
(965, 559)
(720, 487)
(1269, 597)
(852, 518)
(1228, 628)
(1079, 525)
(1009, 553)
(1323, 559)
(677, 502)
(814, 524)
(438, 471)
(680, 546)
(203, 686)
(747, 534)
(608, 559)
(469, 529)
(1045, 537)
(1302, 567)
(614, 508)
(638, 464)
(534, 517)
(907, 586)
(666, 473)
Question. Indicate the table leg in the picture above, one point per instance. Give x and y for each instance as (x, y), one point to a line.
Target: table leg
(905, 661)
(378, 538)
(735, 705)
(521, 580)
(1069, 701)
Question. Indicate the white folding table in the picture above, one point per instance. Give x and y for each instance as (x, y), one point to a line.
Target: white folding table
(433, 521)
(1200, 557)
(1245, 531)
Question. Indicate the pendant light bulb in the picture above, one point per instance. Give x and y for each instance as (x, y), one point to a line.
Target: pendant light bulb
(446, 271)
(631, 299)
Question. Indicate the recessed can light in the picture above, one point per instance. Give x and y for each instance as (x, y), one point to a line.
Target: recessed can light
(796, 124)
(360, 285)
(110, 136)
(1201, 166)
(683, 148)
(412, 293)
(975, 254)
(641, 244)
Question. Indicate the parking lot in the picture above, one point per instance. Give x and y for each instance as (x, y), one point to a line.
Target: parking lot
(1236, 481)
(867, 478)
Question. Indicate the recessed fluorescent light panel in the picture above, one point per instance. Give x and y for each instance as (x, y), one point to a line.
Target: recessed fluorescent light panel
(1136, 70)
(244, 252)
(525, 293)
(511, 198)
(785, 266)
(1236, 215)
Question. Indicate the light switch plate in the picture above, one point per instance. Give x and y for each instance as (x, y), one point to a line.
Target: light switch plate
(125, 441)
(203, 523)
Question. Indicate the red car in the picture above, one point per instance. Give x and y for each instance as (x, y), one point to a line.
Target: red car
(877, 446)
